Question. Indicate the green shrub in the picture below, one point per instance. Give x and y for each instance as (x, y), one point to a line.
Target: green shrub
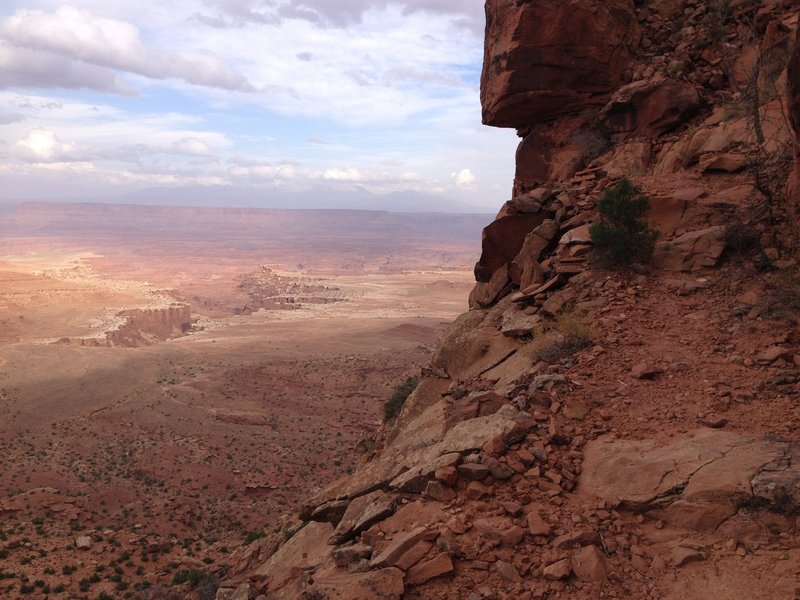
(191, 576)
(391, 408)
(622, 236)
(252, 536)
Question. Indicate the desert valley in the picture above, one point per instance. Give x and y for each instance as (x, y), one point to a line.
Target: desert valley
(171, 385)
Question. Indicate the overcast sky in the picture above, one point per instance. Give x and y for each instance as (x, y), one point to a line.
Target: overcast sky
(103, 97)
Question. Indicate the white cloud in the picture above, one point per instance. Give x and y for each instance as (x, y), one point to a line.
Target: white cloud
(77, 35)
(350, 174)
(44, 146)
(464, 178)
(191, 146)
(342, 13)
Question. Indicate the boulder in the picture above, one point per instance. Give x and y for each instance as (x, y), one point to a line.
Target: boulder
(589, 564)
(507, 571)
(425, 571)
(401, 544)
(548, 58)
(361, 513)
(518, 323)
(484, 295)
(525, 269)
(650, 107)
(691, 251)
(305, 550)
(84, 542)
(347, 555)
(330, 512)
(502, 241)
(558, 570)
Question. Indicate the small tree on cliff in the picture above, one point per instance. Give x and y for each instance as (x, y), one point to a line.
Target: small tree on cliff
(622, 236)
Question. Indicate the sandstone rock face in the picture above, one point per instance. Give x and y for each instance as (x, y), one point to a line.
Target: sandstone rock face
(793, 103)
(148, 326)
(650, 108)
(695, 483)
(308, 548)
(691, 251)
(502, 241)
(556, 150)
(548, 58)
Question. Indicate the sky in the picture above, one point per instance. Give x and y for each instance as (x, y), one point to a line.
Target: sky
(101, 98)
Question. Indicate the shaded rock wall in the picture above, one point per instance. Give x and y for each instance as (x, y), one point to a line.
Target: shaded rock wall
(793, 107)
(547, 58)
(151, 325)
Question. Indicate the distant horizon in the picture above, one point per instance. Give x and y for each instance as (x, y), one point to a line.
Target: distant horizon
(358, 200)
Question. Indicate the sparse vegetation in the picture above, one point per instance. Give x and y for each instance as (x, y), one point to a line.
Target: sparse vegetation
(252, 536)
(782, 299)
(740, 238)
(392, 407)
(623, 236)
(562, 336)
(191, 576)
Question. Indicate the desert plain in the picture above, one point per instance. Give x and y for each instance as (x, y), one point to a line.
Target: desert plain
(174, 381)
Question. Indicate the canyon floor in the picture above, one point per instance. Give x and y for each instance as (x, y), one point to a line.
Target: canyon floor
(163, 455)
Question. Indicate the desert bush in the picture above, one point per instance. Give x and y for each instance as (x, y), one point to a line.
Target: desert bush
(193, 577)
(622, 235)
(740, 238)
(392, 407)
(252, 536)
(570, 331)
(781, 301)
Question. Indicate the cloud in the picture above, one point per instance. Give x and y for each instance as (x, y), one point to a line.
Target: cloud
(349, 174)
(191, 147)
(21, 67)
(77, 35)
(9, 118)
(345, 13)
(43, 146)
(339, 14)
(464, 178)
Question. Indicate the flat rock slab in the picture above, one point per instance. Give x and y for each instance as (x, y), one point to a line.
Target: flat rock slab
(361, 513)
(697, 481)
(306, 550)
(384, 584)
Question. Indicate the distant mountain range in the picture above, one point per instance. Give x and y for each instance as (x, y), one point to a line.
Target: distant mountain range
(248, 197)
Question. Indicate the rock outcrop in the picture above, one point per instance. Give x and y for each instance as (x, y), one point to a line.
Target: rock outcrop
(144, 326)
(793, 108)
(545, 59)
